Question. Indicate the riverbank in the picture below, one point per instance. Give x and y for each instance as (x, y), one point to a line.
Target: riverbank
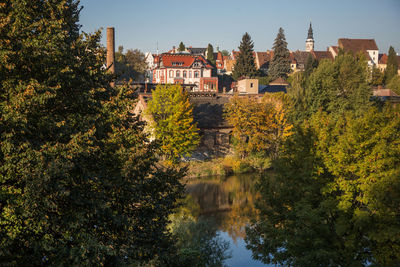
(226, 166)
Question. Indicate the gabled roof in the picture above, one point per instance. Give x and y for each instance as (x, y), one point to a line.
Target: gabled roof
(182, 60)
(279, 81)
(382, 59)
(263, 58)
(300, 56)
(356, 45)
(319, 55)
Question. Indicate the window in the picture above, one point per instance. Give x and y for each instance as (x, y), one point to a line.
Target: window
(251, 85)
(190, 74)
(178, 73)
(196, 74)
(171, 73)
(184, 73)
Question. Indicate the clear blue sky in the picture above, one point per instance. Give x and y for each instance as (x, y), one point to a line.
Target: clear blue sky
(142, 23)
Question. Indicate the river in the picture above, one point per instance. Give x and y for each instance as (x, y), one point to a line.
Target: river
(227, 205)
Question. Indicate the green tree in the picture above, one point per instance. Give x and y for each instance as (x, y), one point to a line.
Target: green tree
(311, 64)
(181, 47)
(377, 77)
(79, 184)
(173, 121)
(335, 196)
(392, 65)
(280, 64)
(338, 86)
(130, 65)
(210, 54)
(394, 84)
(225, 53)
(245, 65)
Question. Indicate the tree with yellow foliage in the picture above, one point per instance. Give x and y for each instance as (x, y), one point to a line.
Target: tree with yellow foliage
(173, 121)
(259, 125)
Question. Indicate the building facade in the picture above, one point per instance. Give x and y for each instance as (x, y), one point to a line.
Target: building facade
(185, 69)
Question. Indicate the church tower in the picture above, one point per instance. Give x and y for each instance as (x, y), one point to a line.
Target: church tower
(310, 40)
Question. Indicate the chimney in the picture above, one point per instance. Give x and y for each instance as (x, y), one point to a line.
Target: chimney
(111, 49)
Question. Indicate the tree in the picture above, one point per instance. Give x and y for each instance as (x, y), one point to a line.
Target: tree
(377, 77)
(79, 184)
(335, 196)
(181, 47)
(173, 121)
(258, 126)
(338, 86)
(245, 65)
(225, 53)
(280, 64)
(392, 65)
(311, 64)
(394, 84)
(210, 54)
(131, 65)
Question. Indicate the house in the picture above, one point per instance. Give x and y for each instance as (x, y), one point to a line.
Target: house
(366, 46)
(247, 86)
(185, 69)
(382, 63)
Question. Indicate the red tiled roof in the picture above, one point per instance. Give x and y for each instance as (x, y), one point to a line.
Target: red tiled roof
(357, 45)
(263, 58)
(382, 59)
(182, 60)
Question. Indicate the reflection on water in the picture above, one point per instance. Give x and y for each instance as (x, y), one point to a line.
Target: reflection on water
(227, 204)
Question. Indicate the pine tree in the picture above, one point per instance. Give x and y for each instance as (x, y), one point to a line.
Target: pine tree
(245, 65)
(173, 121)
(311, 64)
(181, 47)
(280, 64)
(210, 54)
(78, 181)
(392, 65)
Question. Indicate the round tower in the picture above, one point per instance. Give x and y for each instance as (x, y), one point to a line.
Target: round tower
(310, 40)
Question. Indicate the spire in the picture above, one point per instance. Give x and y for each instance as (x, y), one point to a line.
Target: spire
(310, 32)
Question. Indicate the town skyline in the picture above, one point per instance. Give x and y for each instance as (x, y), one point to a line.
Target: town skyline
(160, 23)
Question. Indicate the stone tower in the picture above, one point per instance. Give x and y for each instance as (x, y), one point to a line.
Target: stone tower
(310, 40)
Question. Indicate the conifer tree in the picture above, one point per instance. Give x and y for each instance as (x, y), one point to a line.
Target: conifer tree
(280, 64)
(78, 181)
(392, 65)
(181, 47)
(210, 54)
(245, 65)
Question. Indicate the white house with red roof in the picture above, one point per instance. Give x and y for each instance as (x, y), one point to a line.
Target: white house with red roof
(184, 69)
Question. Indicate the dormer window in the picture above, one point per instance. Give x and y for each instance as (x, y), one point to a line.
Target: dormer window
(197, 64)
(177, 63)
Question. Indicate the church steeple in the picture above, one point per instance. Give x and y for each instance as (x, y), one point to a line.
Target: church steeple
(310, 32)
(310, 40)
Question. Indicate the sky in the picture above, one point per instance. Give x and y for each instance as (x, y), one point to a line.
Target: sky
(146, 24)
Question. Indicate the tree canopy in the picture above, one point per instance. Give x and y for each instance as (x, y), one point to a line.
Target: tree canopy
(173, 122)
(244, 65)
(392, 65)
(130, 65)
(210, 54)
(79, 184)
(333, 197)
(181, 47)
(280, 64)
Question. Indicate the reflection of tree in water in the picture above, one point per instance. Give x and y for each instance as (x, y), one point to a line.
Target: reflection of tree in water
(197, 240)
(231, 202)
